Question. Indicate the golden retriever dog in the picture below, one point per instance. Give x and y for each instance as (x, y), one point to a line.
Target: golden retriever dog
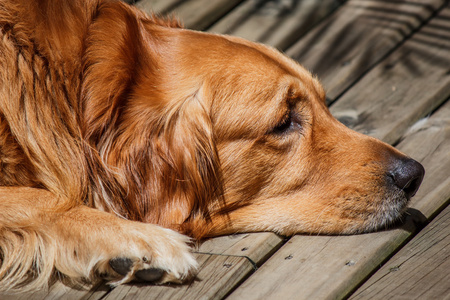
(122, 134)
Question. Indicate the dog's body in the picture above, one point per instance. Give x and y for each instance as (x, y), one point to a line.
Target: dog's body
(109, 117)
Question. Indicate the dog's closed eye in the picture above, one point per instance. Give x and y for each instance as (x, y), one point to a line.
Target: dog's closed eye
(290, 122)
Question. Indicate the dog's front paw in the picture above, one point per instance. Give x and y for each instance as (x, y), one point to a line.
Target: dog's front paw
(152, 254)
(95, 245)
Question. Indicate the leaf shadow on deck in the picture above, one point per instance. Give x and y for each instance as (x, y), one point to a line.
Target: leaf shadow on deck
(277, 23)
(275, 9)
(396, 81)
(333, 51)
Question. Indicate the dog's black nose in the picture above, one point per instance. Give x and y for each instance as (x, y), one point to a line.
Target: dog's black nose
(408, 175)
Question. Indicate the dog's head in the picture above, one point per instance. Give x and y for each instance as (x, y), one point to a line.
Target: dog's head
(220, 135)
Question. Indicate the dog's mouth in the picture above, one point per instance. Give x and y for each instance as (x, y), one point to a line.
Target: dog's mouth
(388, 213)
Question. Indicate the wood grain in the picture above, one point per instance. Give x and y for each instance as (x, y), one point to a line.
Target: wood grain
(194, 14)
(200, 14)
(314, 267)
(361, 33)
(157, 6)
(61, 291)
(421, 270)
(255, 246)
(276, 23)
(428, 141)
(408, 85)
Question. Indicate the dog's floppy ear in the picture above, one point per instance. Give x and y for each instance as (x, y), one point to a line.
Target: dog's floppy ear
(186, 162)
(112, 55)
(116, 53)
(167, 159)
(110, 60)
(151, 151)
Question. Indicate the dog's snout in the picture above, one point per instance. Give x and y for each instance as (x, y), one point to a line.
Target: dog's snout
(407, 175)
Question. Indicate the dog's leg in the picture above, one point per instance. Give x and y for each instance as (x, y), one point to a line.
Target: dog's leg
(38, 235)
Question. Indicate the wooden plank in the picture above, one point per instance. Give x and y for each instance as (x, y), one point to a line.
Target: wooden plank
(276, 23)
(214, 269)
(421, 270)
(194, 14)
(255, 246)
(224, 262)
(61, 291)
(157, 6)
(351, 41)
(24, 296)
(313, 267)
(403, 88)
(435, 158)
(200, 14)
(321, 267)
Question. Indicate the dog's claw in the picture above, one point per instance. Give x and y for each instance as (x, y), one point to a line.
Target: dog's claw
(121, 265)
(151, 274)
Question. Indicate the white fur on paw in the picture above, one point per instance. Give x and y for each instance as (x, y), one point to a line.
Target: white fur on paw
(153, 254)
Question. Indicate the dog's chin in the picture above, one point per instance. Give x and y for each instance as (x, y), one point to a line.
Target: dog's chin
(389, 214)
(380, 213)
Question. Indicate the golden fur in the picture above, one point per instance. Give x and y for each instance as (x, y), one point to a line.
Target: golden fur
(115, 124)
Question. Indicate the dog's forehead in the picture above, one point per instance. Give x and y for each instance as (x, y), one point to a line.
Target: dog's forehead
(266, 64)
(220, 56)
(215, 52)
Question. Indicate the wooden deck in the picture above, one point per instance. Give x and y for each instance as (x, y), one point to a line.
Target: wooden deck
(386, 68)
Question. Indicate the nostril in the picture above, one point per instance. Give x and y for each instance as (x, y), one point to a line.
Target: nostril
(412, 187)
(408, 176)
